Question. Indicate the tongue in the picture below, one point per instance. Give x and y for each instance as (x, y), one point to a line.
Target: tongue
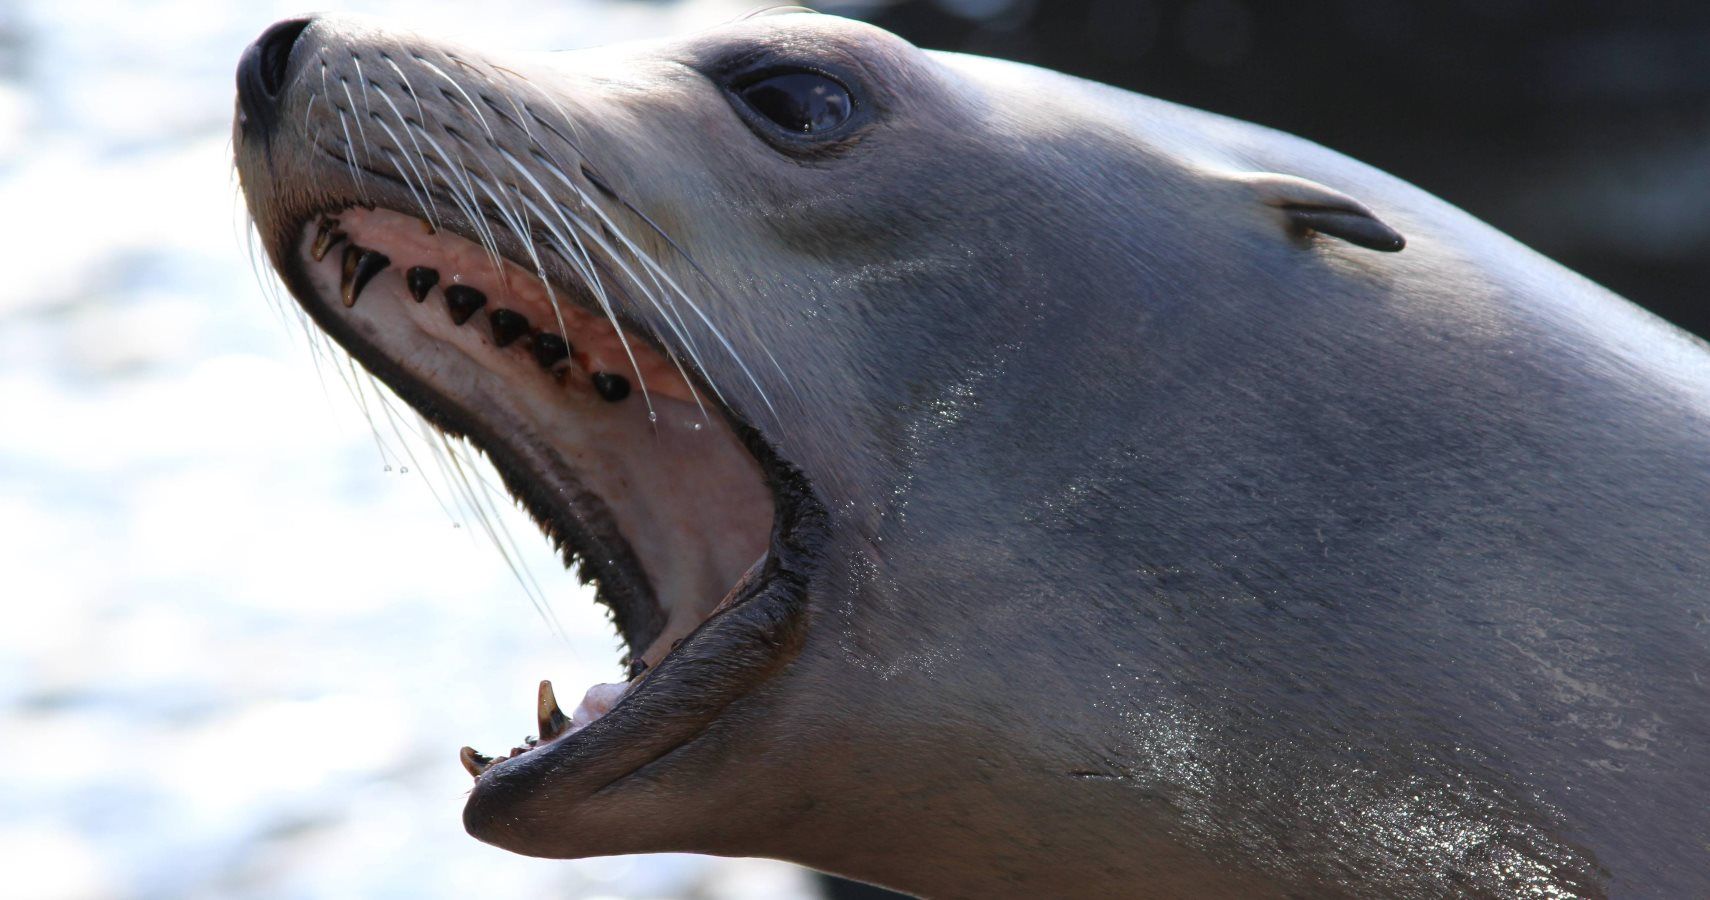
(597, 702)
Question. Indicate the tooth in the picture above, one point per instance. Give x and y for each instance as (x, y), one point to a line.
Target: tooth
(550, 349)
(551, 718)
(611, 386)
(351, 254)
(463, 300)
(420, 280)
(327, 237)
(474, 762)
(507, 326)
(427, 227)
(637, 668)
(368, 265)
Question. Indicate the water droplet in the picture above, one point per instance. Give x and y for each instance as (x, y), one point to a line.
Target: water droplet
(388, 468)
(403, 470)
(652, 416)
(695, 426)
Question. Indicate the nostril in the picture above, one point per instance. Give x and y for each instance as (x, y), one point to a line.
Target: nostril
(261, 76)
(274, 52)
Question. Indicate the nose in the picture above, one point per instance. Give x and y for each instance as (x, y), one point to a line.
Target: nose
(261, 73)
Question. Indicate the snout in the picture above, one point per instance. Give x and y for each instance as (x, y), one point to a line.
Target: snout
(262, 73)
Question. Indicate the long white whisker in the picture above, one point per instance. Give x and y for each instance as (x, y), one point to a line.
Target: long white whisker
(673, 321)
(401, 162)
(431, 210)
(655, 271)
(344, 83)
(456, 176)
(588, 273)
(441, 73)
(349, 143)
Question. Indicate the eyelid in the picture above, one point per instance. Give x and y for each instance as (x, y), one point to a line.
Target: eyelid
(756, 74)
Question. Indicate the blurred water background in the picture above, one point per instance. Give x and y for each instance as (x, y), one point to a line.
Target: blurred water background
(241, 644)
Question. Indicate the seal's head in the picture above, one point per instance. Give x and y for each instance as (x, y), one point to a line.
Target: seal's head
(832, 361)
(602, 268)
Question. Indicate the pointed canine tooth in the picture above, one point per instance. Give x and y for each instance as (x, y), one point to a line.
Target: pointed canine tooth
(551, 718)
(420, 280)
(427, 227)
(348, 271)
(612, 387)
(474, 762)
(327, 237)
(550, 349)
(462, 301)
(368, 265)
(507, 326)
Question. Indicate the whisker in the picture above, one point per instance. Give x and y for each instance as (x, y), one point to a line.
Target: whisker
(430, 209)
(454, 83)
(350, 145)
(678, 327)
(590, 276)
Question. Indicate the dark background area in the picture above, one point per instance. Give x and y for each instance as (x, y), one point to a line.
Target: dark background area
(1580, 127)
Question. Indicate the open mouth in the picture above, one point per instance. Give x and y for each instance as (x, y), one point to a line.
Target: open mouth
(692, 529)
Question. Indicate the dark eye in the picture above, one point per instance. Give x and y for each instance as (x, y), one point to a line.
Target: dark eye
(802, 102)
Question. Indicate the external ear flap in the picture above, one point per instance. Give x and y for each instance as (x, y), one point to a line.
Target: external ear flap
(1310, 206)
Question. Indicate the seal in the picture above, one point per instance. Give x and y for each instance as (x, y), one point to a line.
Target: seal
(1007, 485)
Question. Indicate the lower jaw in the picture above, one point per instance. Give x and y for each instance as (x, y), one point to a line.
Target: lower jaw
(573, 797)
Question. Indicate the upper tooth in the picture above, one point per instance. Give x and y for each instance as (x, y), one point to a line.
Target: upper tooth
(549, 349)
(369, 264)
(420, 279)
(462, 301)
(612, 387)
(507, 326)
(327, 237)
(551, 718)
(348, 270)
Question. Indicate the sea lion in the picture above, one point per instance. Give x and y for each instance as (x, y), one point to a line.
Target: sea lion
(1012, 486)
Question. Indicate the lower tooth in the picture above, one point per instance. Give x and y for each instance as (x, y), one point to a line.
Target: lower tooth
(474, 762)
(549, 717)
